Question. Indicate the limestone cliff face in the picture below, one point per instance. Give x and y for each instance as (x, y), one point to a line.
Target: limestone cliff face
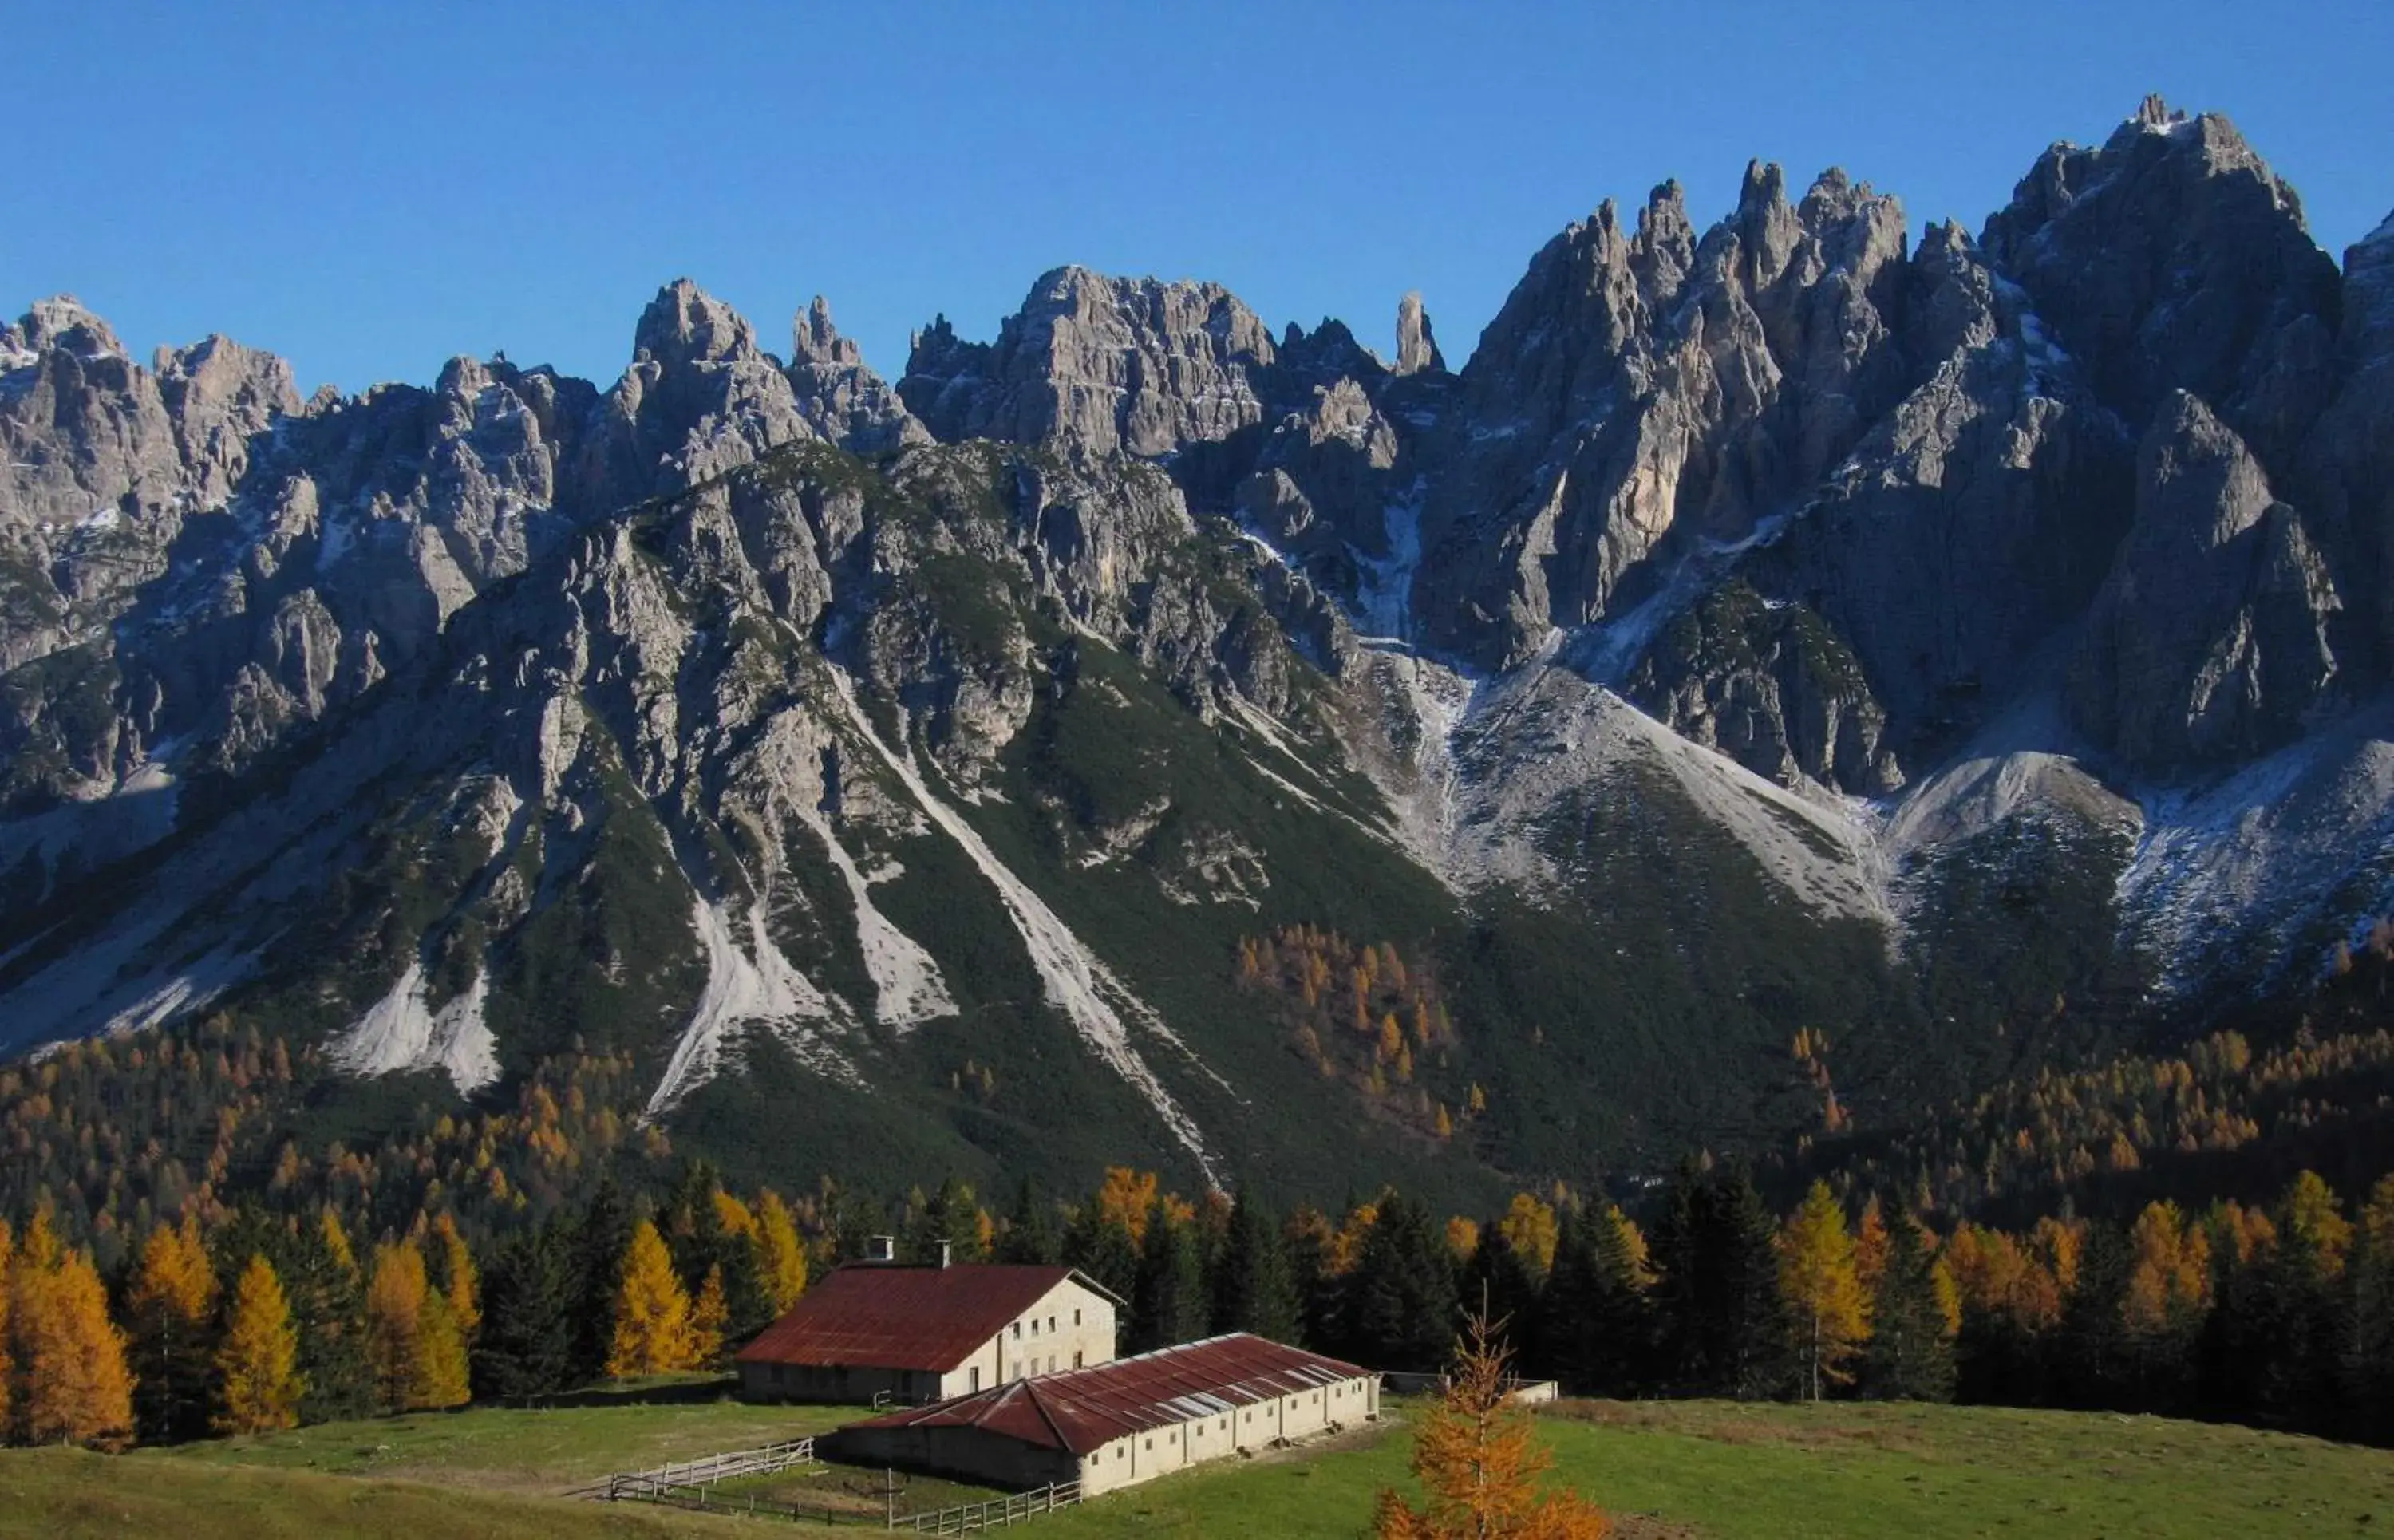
(1643, 391)
(1098, 364)
(1784, 538)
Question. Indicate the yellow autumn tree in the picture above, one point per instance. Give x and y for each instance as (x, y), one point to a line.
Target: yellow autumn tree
(169, 1305)
(1462, 1238)
(71, 1370)
(337, 1241)
(1126, 1198)
(2314, 1216)
(258, 1359)
(460, 1284)
(1480, 1464)
(653, 1324)
(733, 1217)
(706, 1321)
(395, 1296)
(1822, 1290)
(2169, 1273)
(1528, 1226)
(437, 1374)
(780, 1258)
(1869, 1248)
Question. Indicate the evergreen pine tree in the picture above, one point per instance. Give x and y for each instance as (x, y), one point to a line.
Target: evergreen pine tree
(1252, 1291)
(1102, 1247)
(1910, 1356)
(2092, 1357)
(258, 1363)
(1500, 1285)
(1030, 1235)
(327, 1297)
(2369, 1341)
(953, 1215)
(527, 1343)
(1402, 1309)
(1717, 1285)
(601, 1238)
(1168, 1294)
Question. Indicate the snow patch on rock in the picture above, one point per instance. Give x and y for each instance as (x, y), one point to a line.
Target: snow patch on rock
(756, 986)
(402, 1032)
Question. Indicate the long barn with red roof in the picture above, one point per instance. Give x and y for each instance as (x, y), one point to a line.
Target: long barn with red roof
(1122, 1422)
(908, 1333)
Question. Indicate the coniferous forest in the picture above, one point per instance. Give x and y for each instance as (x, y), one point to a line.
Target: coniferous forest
(186, 1254)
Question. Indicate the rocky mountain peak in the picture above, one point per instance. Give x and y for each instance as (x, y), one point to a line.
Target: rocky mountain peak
(813, 339)
(685, 324)
(844, 400)
(2173, 258)
(61, 322)
(1100, 364)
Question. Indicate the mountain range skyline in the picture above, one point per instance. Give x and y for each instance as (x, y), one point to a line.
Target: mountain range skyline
(905, 172)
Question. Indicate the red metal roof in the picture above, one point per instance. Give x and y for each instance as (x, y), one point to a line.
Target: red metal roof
(879, 1315)
(1082, 1410)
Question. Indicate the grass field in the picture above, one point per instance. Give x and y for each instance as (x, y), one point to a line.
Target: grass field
(1665, 1470)
(1726, 1471)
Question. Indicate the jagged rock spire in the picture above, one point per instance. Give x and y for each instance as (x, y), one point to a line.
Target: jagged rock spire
(1416, 347)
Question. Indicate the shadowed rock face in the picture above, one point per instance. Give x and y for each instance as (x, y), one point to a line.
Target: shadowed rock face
(2210, 638)
(2171, 259)
(1966, 530)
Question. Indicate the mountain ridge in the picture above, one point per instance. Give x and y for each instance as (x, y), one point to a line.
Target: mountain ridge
(1796, 608)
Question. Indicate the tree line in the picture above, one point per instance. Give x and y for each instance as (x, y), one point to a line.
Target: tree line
(258, 1318)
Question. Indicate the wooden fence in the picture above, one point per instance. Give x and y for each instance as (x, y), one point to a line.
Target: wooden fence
(729, 1466)
(996, 1513)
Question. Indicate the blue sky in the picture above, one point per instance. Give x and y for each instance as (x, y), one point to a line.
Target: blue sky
(370, 189)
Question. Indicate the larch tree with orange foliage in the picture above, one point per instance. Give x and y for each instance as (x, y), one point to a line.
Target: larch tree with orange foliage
(1530, 1228)
(706, 1321)
(258, 1361)
(1478, 1461)
(780, 1258)
(1823, 1289)
(395, 1297)
(1126, 1198)
(169, 1304)
(75, 1386)
(437, 1375)
(460, 1284)
(652, 1315)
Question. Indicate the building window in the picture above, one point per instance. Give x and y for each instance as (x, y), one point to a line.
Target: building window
(975, 1376)
(1051, 1322)
(1148, 1442)
(1017, 1331)
(1076, 1361)
(1076, 1318)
